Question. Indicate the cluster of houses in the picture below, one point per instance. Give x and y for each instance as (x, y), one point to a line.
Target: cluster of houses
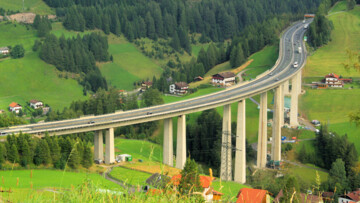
(35, 104)
(332, 80)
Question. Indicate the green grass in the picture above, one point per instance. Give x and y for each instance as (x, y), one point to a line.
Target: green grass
(263, 60)
(345, 36)
(219, 68)
(129, 66)
(34, 6)
(30, 77)
(139, 149)
(307, 175)
(50, 178)
(129, 176)
(230, 189)
(195, 49)
(58, 30)
(339, 6)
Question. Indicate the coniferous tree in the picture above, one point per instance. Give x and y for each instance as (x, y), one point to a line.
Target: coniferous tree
(74, 157)
(190, 179)
(13, 154)
(2, 153)
(87, 159)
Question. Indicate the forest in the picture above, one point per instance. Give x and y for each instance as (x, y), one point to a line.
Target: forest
(78, 55)
(55, 151)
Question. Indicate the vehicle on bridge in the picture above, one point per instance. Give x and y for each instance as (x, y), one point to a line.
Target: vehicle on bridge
(296, 64)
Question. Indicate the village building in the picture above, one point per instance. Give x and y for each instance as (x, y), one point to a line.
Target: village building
(15, 107)
(223, 79)
(198, 78)
(246, 195)
(146, 85)
(350, 197)
(333, 80)
(35, 104)
(208, 192)
(179, 88)
(4, 50)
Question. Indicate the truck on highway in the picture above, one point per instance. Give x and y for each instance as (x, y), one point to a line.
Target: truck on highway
(299, 50)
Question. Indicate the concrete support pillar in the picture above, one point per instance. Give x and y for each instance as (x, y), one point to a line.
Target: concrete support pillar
(226, 145)
(277, 124)
(282, 119)
(262, 135)
(98, 145)
(240, 155)
(110, 149)
(181, 142)
(168, 142)
(294, 102)
(286, 87)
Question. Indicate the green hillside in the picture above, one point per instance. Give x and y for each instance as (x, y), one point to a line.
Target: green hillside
(30, 77)
(34, 6)
(345, 36)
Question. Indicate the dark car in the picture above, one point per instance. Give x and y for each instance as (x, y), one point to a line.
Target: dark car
(148, 113)
(91, 122)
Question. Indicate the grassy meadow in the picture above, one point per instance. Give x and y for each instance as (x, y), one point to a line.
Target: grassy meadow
(29, 77)
(129, 176)
(345, 36)
(34, 6)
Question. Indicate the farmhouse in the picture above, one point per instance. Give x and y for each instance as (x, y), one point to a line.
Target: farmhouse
(224, 79)
(15, 107)
(179, 88)
(198, 78)
(350, 197)
(208, 193)
(145, 85)
(253, 195)
(332, 80)
(4, 50)
(35, 104)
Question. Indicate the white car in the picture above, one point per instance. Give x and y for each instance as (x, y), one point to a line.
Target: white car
(296, 64)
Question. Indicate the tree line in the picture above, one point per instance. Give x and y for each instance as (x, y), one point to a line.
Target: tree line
(77, 55)
(7, 120)
(42, 24)
(216, 20)
(56, 151)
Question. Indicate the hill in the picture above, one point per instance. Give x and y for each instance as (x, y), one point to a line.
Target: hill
(30, 77)
(34, 6)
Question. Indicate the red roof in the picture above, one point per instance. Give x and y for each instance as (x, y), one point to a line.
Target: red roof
(14, 104)
(332, 75)
(204, 180)
(355, 195)
(251, 195)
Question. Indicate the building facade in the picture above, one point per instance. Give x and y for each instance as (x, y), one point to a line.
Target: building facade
(333, 80)
(35, 104)
(223, 79)
(179, 88)
(15, 107)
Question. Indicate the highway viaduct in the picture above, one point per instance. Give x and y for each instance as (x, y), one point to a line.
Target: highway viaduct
(276, 79)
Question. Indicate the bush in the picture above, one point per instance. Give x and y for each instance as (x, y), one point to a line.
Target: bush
(17, 52)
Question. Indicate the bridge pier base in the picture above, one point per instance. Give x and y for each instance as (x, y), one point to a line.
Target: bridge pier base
(277, 123)
(168, 142)
(181, 142)
(262, 134)
(294, 101)
(226, 147)
(110, 148)
(240, 154)
(98, 145)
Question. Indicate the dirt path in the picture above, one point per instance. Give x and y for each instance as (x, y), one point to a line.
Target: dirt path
(127, 187)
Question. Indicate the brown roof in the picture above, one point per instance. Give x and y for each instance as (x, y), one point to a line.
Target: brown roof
(147, 83)
(181, 84)
(4, 49)
(14, 104)
(34, 101)
(226, 74)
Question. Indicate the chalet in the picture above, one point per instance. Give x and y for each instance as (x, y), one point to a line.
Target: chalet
(15, 107)
(350, 197)
(332, 80)
(246, 195)
(223, 79)
(35, 104)
(198, 78)
(4, 50)
(208, 193)
(179, 88)
(145, 85)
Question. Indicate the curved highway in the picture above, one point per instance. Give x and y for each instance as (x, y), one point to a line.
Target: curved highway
(291, 40)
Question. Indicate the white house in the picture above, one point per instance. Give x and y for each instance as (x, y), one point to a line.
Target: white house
(35, 104)
(224, 79)
(179, 88)
(332, 80)
(4, 50)
(15, 107)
